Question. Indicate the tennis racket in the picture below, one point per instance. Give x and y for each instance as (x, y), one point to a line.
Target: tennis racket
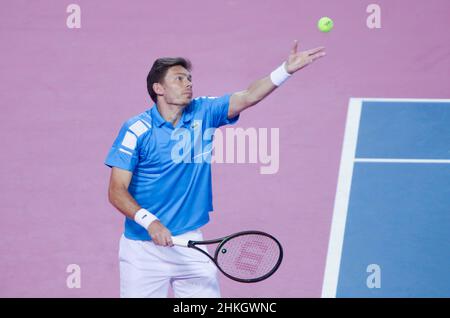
(247, 257)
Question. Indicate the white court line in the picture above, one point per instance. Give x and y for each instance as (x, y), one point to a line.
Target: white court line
(420, 100)
(331, 275)
(386, 160)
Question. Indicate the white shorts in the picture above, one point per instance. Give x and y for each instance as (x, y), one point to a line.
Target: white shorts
(148, 270)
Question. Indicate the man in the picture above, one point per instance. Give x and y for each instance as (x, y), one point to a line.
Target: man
(166, 191)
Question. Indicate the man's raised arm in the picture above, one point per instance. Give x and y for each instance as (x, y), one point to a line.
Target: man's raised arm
(258, 90)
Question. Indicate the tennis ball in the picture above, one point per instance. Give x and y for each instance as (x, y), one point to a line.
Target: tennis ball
(325, 24)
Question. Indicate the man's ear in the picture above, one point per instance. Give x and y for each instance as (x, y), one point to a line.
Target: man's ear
(158, 88)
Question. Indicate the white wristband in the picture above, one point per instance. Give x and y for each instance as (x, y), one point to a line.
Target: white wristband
(280, 75)
(144, 218)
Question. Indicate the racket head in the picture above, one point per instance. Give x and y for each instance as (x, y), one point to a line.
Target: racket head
(248, 256)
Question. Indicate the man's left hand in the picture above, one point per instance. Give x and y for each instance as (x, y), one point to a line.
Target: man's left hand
(298, 60)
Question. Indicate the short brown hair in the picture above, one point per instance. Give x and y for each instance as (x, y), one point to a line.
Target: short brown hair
(159, 70)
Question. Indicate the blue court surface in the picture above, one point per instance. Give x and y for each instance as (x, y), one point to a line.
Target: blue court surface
(390, 234)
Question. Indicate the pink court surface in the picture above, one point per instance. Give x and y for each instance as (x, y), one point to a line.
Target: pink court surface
(65, 93)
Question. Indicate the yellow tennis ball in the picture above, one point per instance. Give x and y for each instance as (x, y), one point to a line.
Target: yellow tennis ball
(325, 24)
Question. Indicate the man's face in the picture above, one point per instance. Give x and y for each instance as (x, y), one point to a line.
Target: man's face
(176, 86)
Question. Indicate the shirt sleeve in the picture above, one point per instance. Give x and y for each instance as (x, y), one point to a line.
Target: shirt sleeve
(124, 152)
(218, 110)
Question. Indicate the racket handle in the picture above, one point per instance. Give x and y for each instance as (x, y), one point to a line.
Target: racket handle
(180, 241)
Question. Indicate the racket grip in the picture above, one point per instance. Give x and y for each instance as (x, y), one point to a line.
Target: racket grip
(180, 241)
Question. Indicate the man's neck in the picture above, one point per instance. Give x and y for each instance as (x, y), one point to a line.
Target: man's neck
(170, 113)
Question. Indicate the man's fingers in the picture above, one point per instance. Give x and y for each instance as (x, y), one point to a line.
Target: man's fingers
(314, 51)
(161, 235)
(159, 239)
(156, 240)
(166, 238)
(318, 55)
(295, 47)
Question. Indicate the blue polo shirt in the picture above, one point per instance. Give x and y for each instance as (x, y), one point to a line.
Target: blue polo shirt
(171, 165)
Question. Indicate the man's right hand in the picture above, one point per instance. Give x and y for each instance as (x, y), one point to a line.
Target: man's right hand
(160, 234)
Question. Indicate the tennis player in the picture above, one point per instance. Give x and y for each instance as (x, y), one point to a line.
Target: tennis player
(166, 191)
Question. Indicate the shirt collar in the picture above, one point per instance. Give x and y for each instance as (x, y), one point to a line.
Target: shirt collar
(187, 113)
(158, 120)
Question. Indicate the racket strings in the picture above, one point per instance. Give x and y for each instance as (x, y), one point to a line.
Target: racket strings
(249, 256)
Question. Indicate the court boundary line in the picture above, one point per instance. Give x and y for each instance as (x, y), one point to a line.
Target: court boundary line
(389, 160)
(339, 219)
(420, 100)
